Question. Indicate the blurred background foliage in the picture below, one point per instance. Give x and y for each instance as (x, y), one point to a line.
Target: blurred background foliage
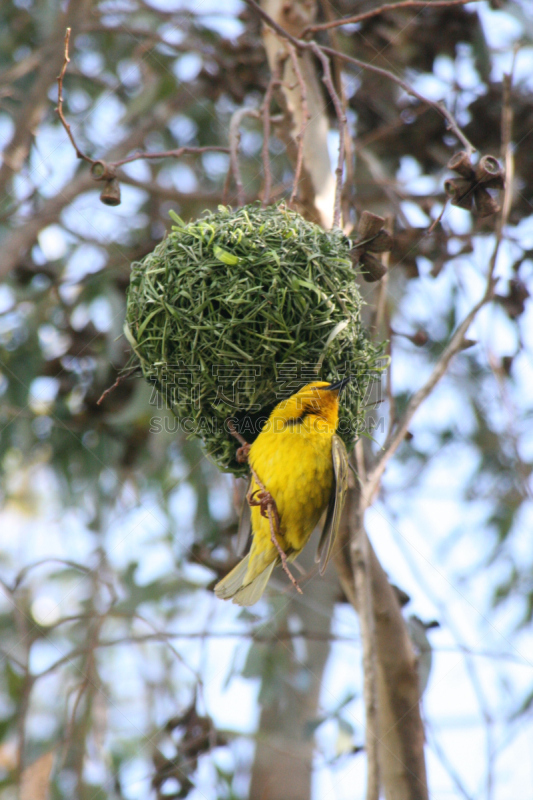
(114, 654)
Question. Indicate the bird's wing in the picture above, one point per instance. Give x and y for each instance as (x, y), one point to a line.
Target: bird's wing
(336, 502)
(245, 526)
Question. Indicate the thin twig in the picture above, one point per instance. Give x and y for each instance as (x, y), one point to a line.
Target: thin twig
(506, 149)
(381, 303)
(59, 108)
(349, 182)
(397, 436)
(301, 45)
(21, 575)
(118, 381)
(439, 107)
(88, 684)
(305, 119)
(391, 401)
(177, 153)
(436, 221)
(234, 139)
(162, 637)
(341, 118)
(180, 151)
(374, 12)
(363, 588)
(226, 187)
(273, 82)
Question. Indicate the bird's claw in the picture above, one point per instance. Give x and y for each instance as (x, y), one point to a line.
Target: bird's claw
(263, 499)
(242, 453)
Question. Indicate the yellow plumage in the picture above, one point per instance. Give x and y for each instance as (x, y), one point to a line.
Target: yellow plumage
(302, 464)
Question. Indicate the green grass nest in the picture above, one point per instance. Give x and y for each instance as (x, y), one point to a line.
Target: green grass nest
(237, 310)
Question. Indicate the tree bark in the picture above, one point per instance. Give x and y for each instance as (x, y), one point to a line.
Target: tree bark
(401, 750)
(283, 762)
(398, 731)
(316, 187)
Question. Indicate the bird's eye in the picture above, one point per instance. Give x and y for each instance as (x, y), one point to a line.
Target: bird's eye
(300, 418)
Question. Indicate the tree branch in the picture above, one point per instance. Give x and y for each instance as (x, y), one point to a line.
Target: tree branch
(102, 170)
(374, 12)
(341, 118)
(307, 125)
(301, 45)
(59, 108)
(398, 434)
(456, 343)
(401, 732)
(305, 118)
(234, 139)
(22, 238)
(360, 564)
(267, 172)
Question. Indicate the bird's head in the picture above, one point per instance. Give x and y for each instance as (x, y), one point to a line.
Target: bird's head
(314, 402)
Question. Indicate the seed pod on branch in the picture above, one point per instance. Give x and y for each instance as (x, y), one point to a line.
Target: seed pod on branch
(101, 171)
(460, 162)
(110, 195)
(369, 225)
(490, 173)
(372, 268)
(372, 238)
(485, 203)
(460, 192)
(470, 190)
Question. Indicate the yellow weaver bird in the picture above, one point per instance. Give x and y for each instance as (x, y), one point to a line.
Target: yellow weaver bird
(299, 468)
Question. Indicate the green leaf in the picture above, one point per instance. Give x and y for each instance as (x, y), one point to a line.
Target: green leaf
(226, 257)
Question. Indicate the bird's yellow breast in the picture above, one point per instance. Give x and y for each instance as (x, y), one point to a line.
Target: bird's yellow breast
(294, 463)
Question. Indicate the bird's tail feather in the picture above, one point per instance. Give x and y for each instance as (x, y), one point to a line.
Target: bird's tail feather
(243, 595)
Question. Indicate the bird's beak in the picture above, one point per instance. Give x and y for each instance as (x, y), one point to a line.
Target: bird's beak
(338, 387)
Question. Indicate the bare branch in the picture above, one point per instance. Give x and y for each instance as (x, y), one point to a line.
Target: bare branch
(341, 117)
(456, 343)
(363, 588)
(22, 237)
(234, 139)
(273, 82)
(298, 43)
(59, 108)
(103, 170)
(398, 434)
(120, 379)
(305, 118)
(316, 183)
(374, 12)
(180, 151)
(400, 726)
(35, 103)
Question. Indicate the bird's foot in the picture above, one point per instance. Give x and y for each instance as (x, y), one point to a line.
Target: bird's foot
(263, 499)
(267, 504)
(242, 453)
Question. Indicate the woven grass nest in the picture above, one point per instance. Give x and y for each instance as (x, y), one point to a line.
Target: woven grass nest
(237, 310)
